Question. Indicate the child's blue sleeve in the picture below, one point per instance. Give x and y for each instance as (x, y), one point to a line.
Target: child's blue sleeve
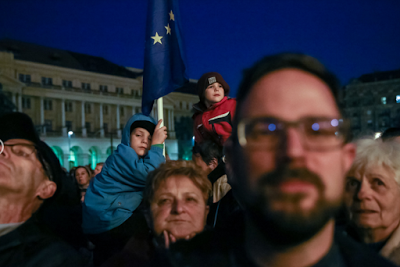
(127, 168)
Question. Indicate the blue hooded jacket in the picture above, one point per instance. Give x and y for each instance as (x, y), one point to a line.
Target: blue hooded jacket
(115, 193)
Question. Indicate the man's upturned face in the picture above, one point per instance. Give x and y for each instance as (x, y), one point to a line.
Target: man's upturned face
(21, 176)
(289, 187)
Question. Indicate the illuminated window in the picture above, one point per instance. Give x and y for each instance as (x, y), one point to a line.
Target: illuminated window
(397, 98)
(88, 108)
(119, 90)
(47, 81)
(86, 86)
(383, 100)
(48, 104)
(68, 106)
(49, 125)
(26, 102)
(26, 78)
(67, 84)
(68, 124)
(103, 88)
(87, 126)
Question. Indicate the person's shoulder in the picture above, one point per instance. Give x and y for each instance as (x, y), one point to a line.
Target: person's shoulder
(56, 251)
(38, 246)
(155, 154)
(228, 102)
(357, 254)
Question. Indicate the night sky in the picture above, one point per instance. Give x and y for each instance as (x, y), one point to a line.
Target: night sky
(351, 37)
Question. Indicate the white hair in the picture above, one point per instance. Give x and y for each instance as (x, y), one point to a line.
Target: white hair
(372, 152)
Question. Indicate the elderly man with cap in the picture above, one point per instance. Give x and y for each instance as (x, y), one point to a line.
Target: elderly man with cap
(29, 176)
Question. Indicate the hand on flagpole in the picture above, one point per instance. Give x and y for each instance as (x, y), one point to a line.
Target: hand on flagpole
(160, 134)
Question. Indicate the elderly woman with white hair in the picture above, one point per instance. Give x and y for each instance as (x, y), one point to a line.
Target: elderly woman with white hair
(373, 197)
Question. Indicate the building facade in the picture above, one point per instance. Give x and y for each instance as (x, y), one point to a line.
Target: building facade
(372, 102)
(80, 103)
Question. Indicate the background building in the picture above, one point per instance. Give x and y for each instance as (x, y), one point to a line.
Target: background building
(80, 103)
(372, 102)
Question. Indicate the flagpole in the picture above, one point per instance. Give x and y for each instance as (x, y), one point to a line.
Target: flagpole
(160, 115)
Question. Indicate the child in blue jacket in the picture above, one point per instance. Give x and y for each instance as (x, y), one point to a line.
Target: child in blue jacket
(110, 215)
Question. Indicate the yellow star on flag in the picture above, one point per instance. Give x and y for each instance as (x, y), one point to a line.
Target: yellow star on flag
(168, 29)
(171, 16)
(156, 38)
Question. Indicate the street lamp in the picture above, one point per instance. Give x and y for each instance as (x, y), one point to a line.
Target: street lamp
(69, 146)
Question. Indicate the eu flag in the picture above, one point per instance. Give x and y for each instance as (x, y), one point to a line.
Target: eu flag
(164, 66)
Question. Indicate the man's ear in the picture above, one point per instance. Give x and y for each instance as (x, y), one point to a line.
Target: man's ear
(46, 189)
(348, 155)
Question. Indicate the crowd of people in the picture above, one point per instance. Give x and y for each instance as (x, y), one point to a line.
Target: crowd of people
(275, 180)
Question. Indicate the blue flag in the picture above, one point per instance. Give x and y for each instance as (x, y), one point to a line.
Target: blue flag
(164, 66)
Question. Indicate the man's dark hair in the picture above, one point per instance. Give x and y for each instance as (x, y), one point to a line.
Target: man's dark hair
(390, 133)
(208, 151)
(272, 63)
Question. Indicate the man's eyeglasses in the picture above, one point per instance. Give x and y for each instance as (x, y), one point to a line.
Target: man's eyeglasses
(22, 150)
(317, 134)
(25, 150)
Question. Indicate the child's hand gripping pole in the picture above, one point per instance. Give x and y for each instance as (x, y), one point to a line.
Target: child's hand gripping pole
(159, 135)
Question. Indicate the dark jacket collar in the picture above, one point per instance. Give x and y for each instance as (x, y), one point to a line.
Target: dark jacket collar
(26, 232)
(200, 107)
(217, 172)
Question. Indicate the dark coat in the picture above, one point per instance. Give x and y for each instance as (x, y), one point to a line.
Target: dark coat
(33, 245)
(224, 247)
(142, 250)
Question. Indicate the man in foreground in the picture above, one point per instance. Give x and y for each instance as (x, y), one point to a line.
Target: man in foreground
(289, 158)
(29, 175)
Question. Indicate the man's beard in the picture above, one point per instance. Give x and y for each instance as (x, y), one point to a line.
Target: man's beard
(288, 228)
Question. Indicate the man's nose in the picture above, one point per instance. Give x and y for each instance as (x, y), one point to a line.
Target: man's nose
(293, 143)
(291, 149)
(4, 151)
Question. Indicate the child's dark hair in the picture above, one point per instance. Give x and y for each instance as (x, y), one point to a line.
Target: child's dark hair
(208, 151)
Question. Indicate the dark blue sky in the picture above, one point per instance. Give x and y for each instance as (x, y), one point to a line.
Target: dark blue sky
(350, 37)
